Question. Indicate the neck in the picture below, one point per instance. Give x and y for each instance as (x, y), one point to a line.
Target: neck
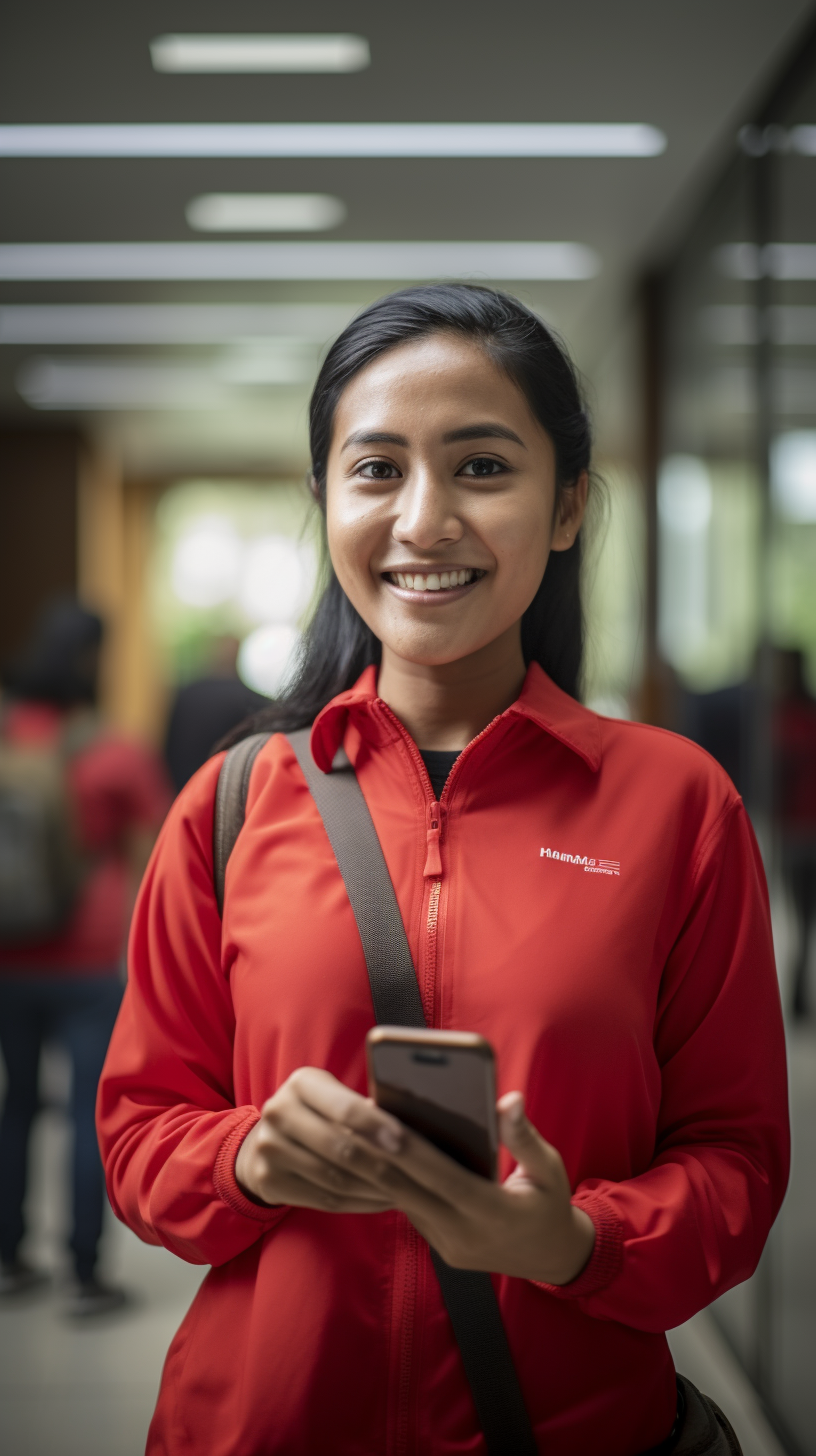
(446, 705)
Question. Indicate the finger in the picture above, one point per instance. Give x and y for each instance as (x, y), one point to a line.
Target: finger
(291, 1189)
(287, 1156)
(535, 1156)
(333, 1144)
(338, 1103)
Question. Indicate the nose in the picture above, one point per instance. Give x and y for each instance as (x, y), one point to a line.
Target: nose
(426, 514)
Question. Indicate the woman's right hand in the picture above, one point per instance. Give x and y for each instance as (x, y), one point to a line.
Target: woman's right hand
(314, 1144)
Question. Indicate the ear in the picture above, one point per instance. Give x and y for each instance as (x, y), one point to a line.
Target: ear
(314, 489)
(570, 513)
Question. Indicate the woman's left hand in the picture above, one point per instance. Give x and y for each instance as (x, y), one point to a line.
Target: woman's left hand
(526, 1226)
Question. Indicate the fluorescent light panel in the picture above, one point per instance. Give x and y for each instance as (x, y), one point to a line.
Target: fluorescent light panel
(168, 323)
(737, 324)
(264, 212)
(231, 54)
(787, 262)
(298, 261)
(318, 139)
(157, 384)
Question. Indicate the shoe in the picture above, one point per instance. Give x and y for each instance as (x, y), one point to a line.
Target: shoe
(90, 1297)
(17, 1277)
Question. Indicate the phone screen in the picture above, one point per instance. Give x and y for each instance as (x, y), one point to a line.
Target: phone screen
(442, 1085)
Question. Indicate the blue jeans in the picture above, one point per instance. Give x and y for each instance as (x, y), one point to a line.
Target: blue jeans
(78, 1012)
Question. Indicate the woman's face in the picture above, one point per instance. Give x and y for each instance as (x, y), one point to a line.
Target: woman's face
(441, 500)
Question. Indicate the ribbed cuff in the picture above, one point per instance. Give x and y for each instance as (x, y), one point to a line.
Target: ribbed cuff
(224, 1174)
(606, 1258)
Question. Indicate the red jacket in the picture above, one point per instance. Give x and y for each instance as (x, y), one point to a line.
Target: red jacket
(596, 907)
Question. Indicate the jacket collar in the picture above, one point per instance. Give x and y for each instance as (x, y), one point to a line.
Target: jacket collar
(540, 700)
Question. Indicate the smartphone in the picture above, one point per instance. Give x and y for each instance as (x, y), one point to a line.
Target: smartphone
(443, 1085)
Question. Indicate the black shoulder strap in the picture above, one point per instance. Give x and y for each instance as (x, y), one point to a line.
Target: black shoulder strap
(469, 1297)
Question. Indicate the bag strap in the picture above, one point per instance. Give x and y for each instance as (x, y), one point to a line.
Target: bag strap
(469, 1297)
(230, 805)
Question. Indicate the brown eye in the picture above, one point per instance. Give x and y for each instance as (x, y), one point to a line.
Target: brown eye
(483, 466)
(378, 470)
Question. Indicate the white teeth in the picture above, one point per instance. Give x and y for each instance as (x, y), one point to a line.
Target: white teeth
(433, 581)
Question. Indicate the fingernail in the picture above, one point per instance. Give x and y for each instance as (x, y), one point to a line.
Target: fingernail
(517, 1112)
(390, 1139)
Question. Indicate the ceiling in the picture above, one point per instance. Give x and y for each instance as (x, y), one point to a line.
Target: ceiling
(233, 395)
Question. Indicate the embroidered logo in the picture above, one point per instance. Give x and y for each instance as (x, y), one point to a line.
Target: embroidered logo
(590, 866)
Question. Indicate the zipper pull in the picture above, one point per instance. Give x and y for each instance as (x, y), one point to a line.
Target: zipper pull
(433, 860)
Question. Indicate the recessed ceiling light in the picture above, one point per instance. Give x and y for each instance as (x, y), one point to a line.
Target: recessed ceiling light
(98, 383)
(229, 54)
(264, 212)
(306, 261)
(334, 139)
(168, 323)
(737, 324)
(787, 262)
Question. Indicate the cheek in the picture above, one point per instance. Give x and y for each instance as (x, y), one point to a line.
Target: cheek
(352, 536)
(521, 545)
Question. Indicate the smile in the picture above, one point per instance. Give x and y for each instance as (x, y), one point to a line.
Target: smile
(434, 581)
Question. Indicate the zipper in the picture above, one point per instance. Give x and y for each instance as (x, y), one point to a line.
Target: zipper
(433, 874)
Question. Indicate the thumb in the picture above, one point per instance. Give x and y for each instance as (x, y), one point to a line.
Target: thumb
(532, 1153)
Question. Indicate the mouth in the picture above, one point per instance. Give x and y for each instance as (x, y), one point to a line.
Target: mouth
(443, 580)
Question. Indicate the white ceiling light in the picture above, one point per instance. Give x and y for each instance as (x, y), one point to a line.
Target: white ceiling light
(267, 656)
(229, 54)
(330, 139)
(787, 262)
(737, 324)
(264, 212)
(120, 384)
(309, 261)
(274, 583)
(684, 495)
(207, 562)
(793, 475)
(168, 323)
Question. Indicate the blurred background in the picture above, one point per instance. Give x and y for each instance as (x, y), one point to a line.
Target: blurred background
(189, 215)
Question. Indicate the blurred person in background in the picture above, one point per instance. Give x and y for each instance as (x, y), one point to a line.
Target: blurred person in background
(205, 710)
(794, 729)
(80, 807)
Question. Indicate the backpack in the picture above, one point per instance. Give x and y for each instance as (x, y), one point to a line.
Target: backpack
(41, 867)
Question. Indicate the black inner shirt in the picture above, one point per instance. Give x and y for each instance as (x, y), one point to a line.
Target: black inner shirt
(439, 762)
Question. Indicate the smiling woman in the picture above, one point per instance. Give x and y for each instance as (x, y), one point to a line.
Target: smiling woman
(407, 417)
(624, 979)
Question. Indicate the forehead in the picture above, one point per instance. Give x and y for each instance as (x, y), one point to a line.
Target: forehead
(435, 380)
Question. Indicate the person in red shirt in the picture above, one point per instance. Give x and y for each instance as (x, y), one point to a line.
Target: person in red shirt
(67, 985)
(584, 892)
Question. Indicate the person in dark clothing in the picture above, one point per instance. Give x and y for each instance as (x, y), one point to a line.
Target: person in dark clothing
(204, 711)
(60, 981)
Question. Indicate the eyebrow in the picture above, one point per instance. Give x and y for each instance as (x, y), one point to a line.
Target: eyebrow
(485, 430)
(374, 437)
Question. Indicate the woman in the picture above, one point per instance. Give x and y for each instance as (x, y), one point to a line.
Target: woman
(594, 905)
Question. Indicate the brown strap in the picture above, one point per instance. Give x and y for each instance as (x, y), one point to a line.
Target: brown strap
(230, 805)
(469, 1297)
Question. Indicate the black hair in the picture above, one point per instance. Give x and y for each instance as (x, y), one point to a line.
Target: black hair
(59, 661)
(337, 644)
